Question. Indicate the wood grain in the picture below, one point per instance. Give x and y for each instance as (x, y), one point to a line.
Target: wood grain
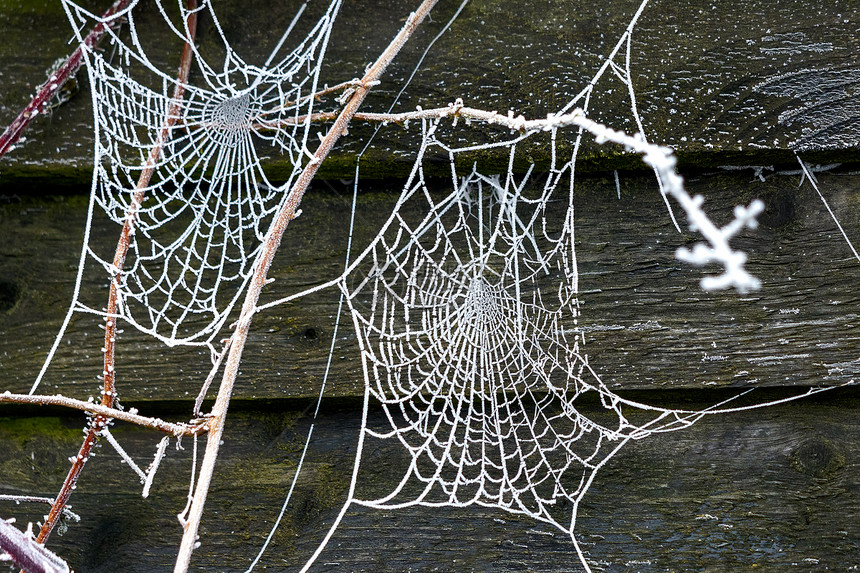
(648, 324)
(720, 85)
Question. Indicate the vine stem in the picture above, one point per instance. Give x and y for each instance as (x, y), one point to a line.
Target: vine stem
(106, 412)
(59, 78)
(100, 421)
(218, 415)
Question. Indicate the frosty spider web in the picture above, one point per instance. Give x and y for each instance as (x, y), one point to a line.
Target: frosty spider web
(465, 304)
(466, 312)
(208, 203)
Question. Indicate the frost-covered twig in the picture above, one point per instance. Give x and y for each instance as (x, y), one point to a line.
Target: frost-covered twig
(661, 159)
(26, 553)
(67, 511)
(95, 408)
(153, 467)
(59, 78)
(129, 461)
(719, 250)
(147, 476)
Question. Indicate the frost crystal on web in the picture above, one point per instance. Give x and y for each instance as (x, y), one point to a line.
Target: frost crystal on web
(208, 203)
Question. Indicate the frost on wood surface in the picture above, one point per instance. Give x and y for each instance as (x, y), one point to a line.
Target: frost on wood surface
(824, 104)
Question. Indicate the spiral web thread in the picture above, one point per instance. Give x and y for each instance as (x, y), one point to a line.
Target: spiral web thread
(209, 203)
(467, 323)
(466, 313)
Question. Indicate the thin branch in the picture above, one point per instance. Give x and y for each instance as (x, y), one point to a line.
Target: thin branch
(347, 87)
(454, 110)
(39, 499)
(153, 467)
(109, 374)
(106, 412)
(270, 247)
(58, 79)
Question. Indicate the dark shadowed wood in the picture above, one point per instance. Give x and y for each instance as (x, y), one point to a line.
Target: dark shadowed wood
(774, 489)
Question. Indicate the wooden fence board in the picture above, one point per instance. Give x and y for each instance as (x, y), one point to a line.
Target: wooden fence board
(772, 489)
(720, 85)
(648, 324)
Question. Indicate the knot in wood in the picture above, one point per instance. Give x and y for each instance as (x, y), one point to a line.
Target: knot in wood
(817, 457)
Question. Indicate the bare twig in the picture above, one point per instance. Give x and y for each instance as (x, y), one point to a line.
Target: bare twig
(59, 78)
(109, 373)
(347, 87)
(270, 247)
(661, 159)
(106, 412)
(67, 511)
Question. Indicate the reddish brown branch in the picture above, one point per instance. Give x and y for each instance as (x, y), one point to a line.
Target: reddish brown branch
(258, 281)
(58, 79)
(109, 373)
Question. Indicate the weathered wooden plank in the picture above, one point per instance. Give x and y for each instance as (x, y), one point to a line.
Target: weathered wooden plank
(720, 85)
(773, 489)
(770, 489)
(648, 324)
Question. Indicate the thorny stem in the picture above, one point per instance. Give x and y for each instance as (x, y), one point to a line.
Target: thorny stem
(58, 79)
(273, 239)
(107, 413)
(101, 421)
